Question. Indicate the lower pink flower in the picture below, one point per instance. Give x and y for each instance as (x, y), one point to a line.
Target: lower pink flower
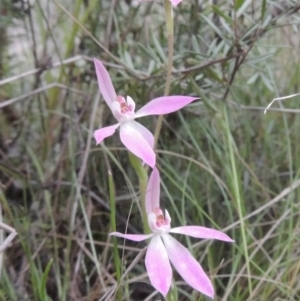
(163, 248)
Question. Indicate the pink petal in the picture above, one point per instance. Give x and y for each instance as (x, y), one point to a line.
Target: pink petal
(116, 110)
(152, 222)
(167, 217)
(134, 237)
(186, 265)
(131, 103)
(105, 85)
(201, 232)
(144, 132)
(164, 105)
(175, 2)
(153, 191)
(134, 140)
(158, 266)
(105, 132)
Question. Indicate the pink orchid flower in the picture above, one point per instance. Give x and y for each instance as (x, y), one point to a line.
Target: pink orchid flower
(163, 248)
(134, 136)
(174, 2)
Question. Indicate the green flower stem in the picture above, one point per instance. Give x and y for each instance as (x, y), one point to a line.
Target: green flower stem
(140, 170)
(170, 26)
(142, 174)
(172, 294)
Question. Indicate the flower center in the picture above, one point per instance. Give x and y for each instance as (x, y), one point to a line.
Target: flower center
(124, 107)
(160, 219)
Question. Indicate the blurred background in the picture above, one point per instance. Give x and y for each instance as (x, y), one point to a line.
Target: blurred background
(223, 163)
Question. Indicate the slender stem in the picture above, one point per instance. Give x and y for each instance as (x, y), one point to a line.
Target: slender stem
(141, 172)
(172, 294)
(170, 25)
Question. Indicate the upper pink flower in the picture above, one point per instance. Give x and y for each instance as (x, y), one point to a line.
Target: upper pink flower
(134, 136)
(163, 248)
(174, 2)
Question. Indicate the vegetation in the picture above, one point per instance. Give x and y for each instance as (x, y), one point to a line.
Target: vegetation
(223, 162)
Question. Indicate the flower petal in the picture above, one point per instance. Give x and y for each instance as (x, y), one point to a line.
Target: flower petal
(164, 105)
(158, 265)
(134, 237)
(152, 222)
(105, 85)
(167, 217)
(116, 110)
(201, 232)
(186, 265)
(153, 191)
(130, 103)
(175, 2)
(144, 132)
(105, 132)
(136, 143)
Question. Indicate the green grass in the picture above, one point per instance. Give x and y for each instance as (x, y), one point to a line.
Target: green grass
(223, 163)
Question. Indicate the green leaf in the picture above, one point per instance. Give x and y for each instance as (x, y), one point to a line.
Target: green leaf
(218, 11)
(213, 75)
(238, 4)
(195, 44)
(213, 25)
(159, 49)
(42, 290)
(242, 7)
(199, 92)
(112, 199)
(263, 9)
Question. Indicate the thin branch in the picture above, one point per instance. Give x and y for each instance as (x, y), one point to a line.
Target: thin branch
(39, 90)
(279, 98)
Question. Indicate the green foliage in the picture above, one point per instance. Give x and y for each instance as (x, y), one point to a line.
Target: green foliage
(223, 163)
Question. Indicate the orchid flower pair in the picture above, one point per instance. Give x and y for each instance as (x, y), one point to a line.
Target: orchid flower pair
(163, 248)
(138, 139)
